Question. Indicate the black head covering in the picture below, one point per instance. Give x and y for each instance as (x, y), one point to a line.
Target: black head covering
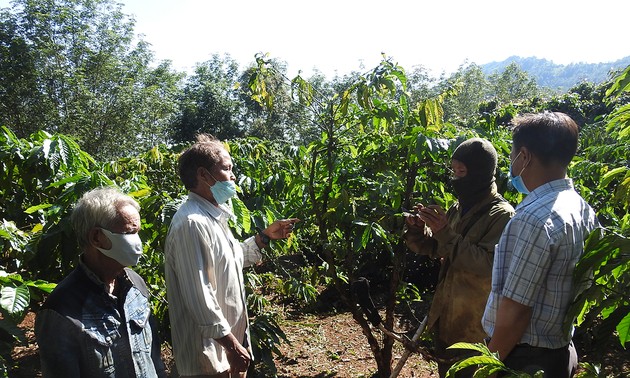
(480, 159)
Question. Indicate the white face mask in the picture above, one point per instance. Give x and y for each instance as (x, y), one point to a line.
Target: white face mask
(126, 248)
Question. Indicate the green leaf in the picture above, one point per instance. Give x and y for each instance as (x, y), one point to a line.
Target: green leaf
(42, 285)
(140, 193)
(623, 329)
(487, 370)
(611, 175)
(488, 363)
(66, 180)
(15, 299)
(620, 85)
(243, 216)
(36, 208)
(422, 144)
(366, 237)
(479, 347)
(8, 136)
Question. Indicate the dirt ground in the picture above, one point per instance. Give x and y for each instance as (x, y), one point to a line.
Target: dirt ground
(321, 346)
(328, 345)
(333, 345)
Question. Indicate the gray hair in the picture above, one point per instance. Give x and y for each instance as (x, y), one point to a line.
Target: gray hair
(98, 208)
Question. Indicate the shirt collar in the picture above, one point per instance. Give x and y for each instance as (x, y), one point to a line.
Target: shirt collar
(545, 189)
(217, 212)
(94, 278)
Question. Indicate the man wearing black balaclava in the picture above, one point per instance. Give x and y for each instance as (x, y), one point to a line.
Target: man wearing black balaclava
(463, 238)
(479, 158)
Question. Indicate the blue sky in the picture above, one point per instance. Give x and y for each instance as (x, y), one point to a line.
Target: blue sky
(338, 36)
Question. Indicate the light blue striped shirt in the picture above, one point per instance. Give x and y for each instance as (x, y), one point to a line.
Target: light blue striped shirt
(204, 285)
(535, 258)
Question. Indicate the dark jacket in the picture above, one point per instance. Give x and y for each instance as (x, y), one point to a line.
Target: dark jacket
(83, 331)
(466, 269)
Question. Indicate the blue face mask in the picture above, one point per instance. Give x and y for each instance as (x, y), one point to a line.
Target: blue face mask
(517, 181)
(222, 191)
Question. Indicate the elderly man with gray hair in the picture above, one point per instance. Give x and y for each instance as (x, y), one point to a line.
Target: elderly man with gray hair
(97, 322)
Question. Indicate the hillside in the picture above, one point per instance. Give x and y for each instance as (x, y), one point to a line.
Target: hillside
(557, 76)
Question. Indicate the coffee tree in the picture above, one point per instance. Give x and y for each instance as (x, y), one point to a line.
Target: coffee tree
(377, 152)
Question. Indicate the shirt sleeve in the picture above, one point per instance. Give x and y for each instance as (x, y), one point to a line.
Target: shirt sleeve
(251, 252)
(419, 241)
(193, 260)
(58, 351)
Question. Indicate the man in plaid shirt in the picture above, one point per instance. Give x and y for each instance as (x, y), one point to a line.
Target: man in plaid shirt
(532, 280)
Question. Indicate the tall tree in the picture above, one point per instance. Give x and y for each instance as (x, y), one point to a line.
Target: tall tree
(84, 73)
(470, 89)
(156, 105)
(270, 122)
(22, 105)
(420, 84)
(512, 84)
(210, 101)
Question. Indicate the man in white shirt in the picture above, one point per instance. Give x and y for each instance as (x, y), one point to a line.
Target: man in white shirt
(203, 267)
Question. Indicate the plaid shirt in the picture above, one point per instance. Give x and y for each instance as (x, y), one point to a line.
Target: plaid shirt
(535, 258)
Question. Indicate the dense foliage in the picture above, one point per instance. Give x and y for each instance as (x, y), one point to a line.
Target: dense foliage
(345, 156)
(74, 67)
(376, 154)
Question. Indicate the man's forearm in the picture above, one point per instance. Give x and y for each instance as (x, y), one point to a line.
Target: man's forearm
(512, 320)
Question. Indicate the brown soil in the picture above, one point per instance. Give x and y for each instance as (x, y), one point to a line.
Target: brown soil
(323, 346)
(333, 345)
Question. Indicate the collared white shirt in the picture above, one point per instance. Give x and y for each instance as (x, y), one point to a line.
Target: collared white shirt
(204, 285)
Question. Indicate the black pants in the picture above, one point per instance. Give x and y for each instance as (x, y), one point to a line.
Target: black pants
(557, 363)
